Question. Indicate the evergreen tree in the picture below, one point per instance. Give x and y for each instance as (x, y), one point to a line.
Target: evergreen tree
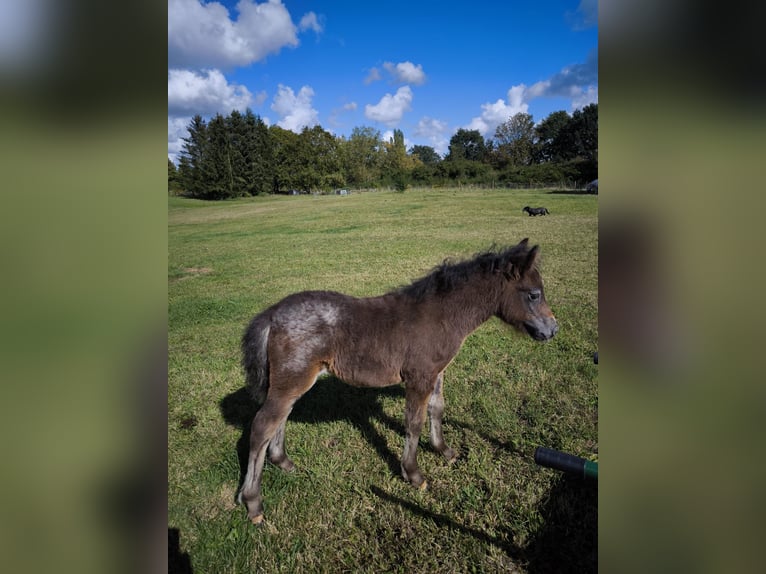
(184, 174)
(287, 159)
(173, 185)
(237, 129)
(192, 156)
(217, 173)
(259, 155)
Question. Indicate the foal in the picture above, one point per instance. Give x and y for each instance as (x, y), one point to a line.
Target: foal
(408, 336)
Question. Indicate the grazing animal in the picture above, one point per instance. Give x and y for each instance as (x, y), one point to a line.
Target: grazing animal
(409, 335)
(535, 211)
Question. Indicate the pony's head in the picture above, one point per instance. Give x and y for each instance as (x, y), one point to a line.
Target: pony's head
(522, 301)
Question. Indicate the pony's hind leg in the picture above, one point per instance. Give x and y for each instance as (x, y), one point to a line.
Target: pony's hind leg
(267, 433)
(264, 426)
(277, 454)
(435, 413)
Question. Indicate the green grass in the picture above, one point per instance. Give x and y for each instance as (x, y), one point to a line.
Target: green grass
(346, 508)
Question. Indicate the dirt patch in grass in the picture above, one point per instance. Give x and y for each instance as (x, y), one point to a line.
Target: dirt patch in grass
(189, 272)
(197, 270)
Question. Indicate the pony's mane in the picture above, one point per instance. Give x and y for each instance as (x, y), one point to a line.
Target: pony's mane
(451, 274)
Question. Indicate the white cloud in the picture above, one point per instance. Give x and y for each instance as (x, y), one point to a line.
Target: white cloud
(204, 93)
(351, 106)
(589, 96)
(406, 72)
(494, 114)
(435, 132)
(577, 82)
(202, 35)
(390, 109)
(295, 111)
(310, 21)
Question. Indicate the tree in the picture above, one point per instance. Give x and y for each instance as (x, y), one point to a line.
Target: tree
(425, 154)
(259, 155)
(467, 144)
(173, 183)
(191, 158)
(397, 165)
(394, 156)
(216, 168)
(515, 138)
(322, 165)
(287, 159)
(547, 133)
(579, 137)
(424, 174)
(238, 157)
(586, 126)
(397, 141)
(362, 156)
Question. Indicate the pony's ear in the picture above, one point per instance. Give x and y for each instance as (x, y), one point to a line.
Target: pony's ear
(516, 265)
(531, 259)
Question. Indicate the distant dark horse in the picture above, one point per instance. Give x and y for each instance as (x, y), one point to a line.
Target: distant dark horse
(535, 211)
(408, 335)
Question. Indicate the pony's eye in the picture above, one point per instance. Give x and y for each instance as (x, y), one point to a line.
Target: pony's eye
(534, 295)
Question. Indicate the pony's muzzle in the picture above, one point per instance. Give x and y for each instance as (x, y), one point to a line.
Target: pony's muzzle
(542, 329)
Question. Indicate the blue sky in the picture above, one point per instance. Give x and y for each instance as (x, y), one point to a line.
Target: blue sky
(427, 68)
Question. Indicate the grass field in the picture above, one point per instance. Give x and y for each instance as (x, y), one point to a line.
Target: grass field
(346, 508)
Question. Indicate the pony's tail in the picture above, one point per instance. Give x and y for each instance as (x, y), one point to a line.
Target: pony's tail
(255, 357)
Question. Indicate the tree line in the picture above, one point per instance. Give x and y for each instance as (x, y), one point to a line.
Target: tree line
(239, 155)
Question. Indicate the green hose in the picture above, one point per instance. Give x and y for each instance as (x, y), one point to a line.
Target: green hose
(566, 462)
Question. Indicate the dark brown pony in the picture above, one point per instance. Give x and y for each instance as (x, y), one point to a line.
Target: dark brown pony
(535, 211)
(407, 336)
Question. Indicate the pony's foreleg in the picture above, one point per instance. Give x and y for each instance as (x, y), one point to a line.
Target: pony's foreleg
(414, 417)
(435, 413)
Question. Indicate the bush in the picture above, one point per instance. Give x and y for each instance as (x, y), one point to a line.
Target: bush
(400, 181)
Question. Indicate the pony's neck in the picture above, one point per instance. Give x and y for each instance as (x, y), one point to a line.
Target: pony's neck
(471, 304)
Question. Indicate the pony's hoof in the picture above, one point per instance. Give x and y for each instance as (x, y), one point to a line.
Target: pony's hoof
(450, 455)
(415, 479)
(423, 485)
(286, 465)
(257, 520)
